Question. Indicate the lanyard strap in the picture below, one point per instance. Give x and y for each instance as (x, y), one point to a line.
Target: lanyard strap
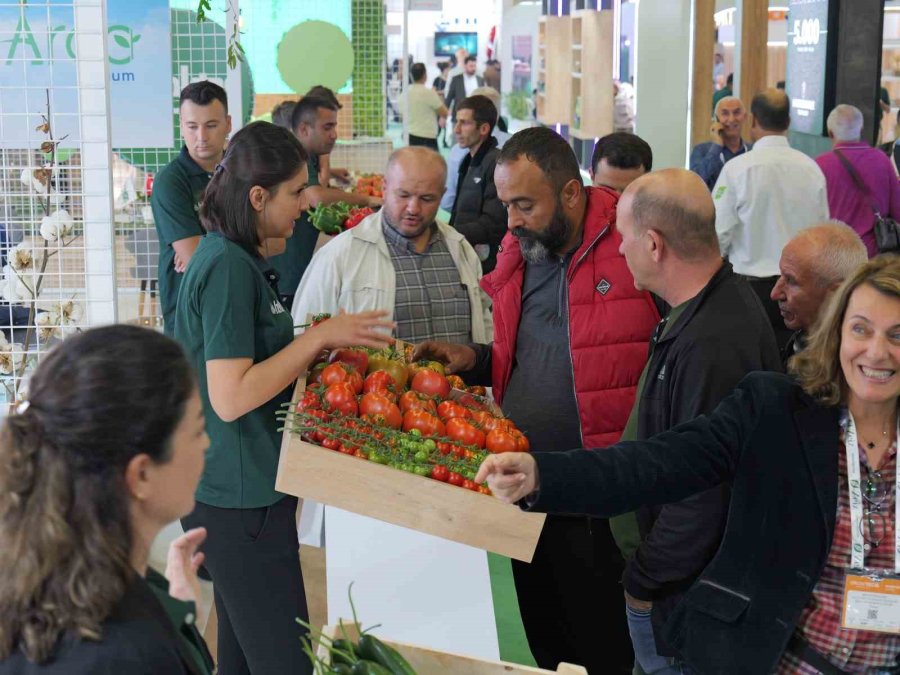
(857, 547)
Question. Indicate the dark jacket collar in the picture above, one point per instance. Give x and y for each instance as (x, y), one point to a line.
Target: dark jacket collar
(725, 272)
(489, 144)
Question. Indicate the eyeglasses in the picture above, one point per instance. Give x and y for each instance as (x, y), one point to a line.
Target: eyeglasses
(875, 493)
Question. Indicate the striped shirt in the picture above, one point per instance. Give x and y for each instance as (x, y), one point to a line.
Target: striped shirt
(854, 651)
(431, 303)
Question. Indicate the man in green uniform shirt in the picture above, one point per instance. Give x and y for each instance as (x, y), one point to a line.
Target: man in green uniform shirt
(177, 190)
(314, 122)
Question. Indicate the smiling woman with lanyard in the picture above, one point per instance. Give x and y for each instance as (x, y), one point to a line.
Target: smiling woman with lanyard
(807, 578)
(241, 341)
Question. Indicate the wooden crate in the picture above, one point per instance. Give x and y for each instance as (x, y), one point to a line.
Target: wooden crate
(428, 661)
(353, 484)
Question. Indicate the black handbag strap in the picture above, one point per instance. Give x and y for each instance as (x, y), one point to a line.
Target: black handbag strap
(857, 180)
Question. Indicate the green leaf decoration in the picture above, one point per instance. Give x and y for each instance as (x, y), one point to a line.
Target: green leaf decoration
(121, 41)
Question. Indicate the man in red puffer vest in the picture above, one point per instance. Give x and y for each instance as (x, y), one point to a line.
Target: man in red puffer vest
(571, 334)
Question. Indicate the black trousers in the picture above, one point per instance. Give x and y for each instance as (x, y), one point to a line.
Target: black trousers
(763, 286)
(571, 598)
(420, 140)
(253, 557)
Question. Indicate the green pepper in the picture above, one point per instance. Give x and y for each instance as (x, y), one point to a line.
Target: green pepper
(343, 652)
(340, 669)
(369, 668)
(373, 649)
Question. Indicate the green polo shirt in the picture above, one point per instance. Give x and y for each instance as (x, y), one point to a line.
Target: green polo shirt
(227, 310)
(299, 249)
(175, 201)
(183, 616)
(625, 527)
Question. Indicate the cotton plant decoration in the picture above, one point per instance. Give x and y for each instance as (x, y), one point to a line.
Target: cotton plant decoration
(22, 279)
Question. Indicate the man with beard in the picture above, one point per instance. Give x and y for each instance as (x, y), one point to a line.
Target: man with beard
(402, 260)
(570, 342)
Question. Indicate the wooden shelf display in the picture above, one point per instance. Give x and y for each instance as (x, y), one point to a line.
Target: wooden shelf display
(591, 98)
(554, 82)
(311, 472)
(425, 661)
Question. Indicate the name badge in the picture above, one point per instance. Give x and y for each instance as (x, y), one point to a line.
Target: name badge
(871, 602)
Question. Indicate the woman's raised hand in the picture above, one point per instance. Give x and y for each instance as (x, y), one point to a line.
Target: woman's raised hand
(366, 329)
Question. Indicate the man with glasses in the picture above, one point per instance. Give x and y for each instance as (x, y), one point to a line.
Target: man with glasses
(716, 332)
(570, 340)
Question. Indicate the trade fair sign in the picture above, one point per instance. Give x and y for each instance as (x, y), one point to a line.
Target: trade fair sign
(807, 64)
(38, 53)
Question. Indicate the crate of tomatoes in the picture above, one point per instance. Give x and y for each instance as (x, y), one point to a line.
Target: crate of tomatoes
(374, 434)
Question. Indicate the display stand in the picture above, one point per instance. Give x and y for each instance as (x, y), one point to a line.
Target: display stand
(554, 70)
(414, 547)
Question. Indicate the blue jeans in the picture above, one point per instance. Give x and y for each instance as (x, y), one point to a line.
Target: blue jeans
(651, 663)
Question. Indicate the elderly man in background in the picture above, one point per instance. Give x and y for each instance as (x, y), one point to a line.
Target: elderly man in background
(726, 143)
(765, 197)
(860, 178)
(812, 265)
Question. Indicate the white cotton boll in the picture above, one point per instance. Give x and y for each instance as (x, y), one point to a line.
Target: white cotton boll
(14, 290)
(22, 258)
(11, 358)
(57, 225)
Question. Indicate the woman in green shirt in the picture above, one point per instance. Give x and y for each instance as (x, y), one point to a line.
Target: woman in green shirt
(241, 341)
(106, 451)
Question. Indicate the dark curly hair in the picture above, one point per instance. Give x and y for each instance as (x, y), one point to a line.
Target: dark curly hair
(96, 401)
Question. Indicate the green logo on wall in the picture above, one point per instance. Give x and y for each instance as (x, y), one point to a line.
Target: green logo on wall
(23, 43)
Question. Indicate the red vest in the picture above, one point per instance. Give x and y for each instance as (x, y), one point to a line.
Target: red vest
(610, 322)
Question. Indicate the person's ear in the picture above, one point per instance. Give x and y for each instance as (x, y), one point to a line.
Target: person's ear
(655, 244)
(258, 196)
(227, 125)
(570, 192)
(137, 474)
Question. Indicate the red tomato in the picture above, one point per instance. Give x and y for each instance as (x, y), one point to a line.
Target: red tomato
(441, 473)
(477, 390)
(455, 479)
(460, 430)
(500, 441)
(522, 444)
(341, 398)
(448, 409)
(347, 448)
(356, 358)
(334, 373)
(491, 423)
(444, 448)
(430, 383)
(310, 401)
(470, 485)
(425, 422)
(484, 489)
(380, 410)
(331, 443)
(377, 381)
(411, 400)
